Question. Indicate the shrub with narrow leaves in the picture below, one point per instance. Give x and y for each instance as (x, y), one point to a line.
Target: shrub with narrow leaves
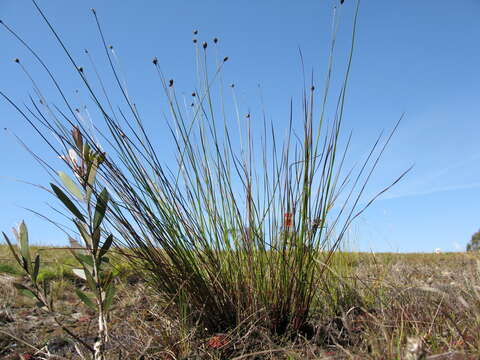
(88, 219)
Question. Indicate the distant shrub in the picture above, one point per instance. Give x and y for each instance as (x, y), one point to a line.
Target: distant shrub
(474, 244)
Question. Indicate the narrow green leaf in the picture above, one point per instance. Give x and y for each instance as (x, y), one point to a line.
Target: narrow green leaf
(24, 290)
(92, 173)
(96, 239)
(106, 245)
(70, 185)
(106, 279)
(84, 234)
(109, 294)
(12, 250)
(85, 259)
(67, 202)
(24, 248)
(28, 293)
(19, 286)
(90, 281)
(100, 208)
(86, 300)
(36, 268)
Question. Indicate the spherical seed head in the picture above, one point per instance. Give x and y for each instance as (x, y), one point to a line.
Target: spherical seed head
(193, 94)
(80, 69)
(248, 116)
(225, 59)
(170, 83)
(204, 45)
(312, 88)
(155, 61)
(192, 104)
(215, 40)
(86, 51)
(232, 85)
(17, 60)
(195, 32)
(194, 41)
(111, 47)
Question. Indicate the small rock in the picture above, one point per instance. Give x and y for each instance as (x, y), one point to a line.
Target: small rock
(57, 345)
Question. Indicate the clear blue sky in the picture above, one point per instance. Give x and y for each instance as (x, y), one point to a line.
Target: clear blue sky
(417, 57)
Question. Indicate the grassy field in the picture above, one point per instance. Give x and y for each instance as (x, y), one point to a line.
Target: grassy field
(395, 306)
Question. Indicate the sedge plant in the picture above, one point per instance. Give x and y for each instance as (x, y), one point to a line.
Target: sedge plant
(235, 231)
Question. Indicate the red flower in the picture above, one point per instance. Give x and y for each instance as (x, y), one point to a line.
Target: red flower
(217, 341)
(288, 219)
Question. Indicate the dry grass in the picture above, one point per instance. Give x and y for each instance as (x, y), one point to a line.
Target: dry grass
(427, 302)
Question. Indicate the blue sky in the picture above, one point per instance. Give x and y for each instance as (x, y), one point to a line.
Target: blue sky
(414, 57)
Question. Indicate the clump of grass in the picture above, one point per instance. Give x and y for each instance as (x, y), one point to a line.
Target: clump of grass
(232, 235)
(10, 269)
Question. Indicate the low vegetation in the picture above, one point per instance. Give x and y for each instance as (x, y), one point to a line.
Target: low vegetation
(396, 306)
(231, 251)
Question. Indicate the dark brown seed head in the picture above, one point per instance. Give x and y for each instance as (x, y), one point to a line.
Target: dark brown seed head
(248, 116)
(155, 61)
(110, 47)
(204, 45)
(232, 85)
(80, 69)
(170, 83)
(17, 60)
(192, 104)
(312, 88)
(194, 41)
(225, 59)
(215, 40)
(195, 32)
(193, 94)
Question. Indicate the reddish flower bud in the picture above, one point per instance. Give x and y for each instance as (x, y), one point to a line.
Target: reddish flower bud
(288, 220)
